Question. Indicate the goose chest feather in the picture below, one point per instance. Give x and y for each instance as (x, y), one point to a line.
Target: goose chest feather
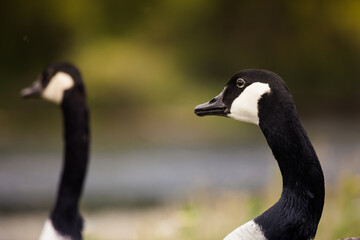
(261, 97)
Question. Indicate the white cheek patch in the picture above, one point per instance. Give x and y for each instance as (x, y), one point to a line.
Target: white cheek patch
(49, 233)
(54, 91)
(245, 106)
(249, 230)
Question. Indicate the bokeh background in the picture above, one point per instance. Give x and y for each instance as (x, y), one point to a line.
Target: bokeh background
(157, 171)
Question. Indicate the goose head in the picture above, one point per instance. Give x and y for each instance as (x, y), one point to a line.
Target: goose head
(251, 96)
(55, 82)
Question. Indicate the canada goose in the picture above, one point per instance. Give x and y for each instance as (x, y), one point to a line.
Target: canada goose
(262, 97)
(62, 84)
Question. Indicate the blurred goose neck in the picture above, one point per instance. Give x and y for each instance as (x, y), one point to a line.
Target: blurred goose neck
(76, 139)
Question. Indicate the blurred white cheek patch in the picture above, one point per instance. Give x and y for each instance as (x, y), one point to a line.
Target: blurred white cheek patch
(59, 83)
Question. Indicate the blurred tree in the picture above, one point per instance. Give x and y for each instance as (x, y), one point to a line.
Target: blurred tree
(315, 46)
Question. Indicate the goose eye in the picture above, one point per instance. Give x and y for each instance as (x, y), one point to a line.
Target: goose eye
(240, 83)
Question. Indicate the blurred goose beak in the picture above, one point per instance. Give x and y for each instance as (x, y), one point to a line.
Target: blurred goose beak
(33, 91)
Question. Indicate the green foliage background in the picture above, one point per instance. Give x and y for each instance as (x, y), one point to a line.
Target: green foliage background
(159, 59)
(143, 45)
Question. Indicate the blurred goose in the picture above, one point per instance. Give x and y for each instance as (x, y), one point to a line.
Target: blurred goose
(261, 97)
(62, 84)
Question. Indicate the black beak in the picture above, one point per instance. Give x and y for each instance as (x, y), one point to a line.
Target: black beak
(32, 91)
(214, 107)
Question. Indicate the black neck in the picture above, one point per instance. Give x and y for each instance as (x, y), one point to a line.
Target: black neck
(302, 198)
(65, 215)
